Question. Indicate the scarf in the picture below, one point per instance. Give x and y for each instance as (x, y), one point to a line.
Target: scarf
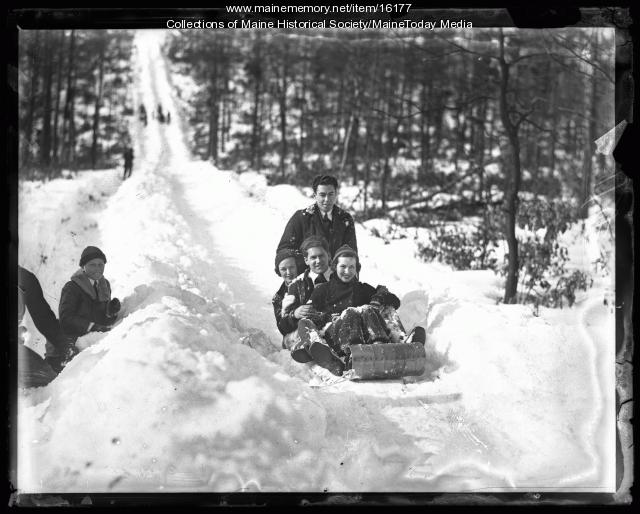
(104, 291)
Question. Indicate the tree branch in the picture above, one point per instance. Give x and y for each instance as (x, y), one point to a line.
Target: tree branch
(428, 197)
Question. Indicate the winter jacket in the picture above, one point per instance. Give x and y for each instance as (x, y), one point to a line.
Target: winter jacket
(301, 289)
(79, 305)
(285, 323)
(31, 297)
(308, 222)
(335, 296)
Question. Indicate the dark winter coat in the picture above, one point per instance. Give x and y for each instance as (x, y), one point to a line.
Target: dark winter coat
(79, 306)
(301, 289)
(335, 296)
(308, 222)
(31, 297)
(286, 323)
(128, 157)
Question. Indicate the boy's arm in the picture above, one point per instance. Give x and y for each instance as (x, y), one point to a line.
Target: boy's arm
(71, 323)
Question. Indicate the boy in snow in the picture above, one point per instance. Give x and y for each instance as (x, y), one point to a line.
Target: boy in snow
(352, 309)
(289, 263)
(323, 218)
(315, 250)
(85, 302)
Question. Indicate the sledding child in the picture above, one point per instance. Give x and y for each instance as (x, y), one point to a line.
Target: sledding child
(352, 309)
(85, 302)
(295, 304)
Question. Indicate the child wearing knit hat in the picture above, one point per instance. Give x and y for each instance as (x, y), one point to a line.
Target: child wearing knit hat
(352, 308)
(85, 302)
(289, 263)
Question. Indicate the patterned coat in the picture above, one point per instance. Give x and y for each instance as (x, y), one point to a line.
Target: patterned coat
(308, 222)
(285, 322)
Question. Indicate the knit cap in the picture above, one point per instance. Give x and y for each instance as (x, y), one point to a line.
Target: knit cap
(91, 252)
(345, 251)
(285, 253)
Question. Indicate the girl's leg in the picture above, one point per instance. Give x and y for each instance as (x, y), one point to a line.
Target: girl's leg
(375, 328)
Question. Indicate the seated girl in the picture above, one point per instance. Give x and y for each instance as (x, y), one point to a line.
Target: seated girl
(289, 263)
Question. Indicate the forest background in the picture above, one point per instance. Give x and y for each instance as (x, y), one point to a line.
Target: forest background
(485, 137)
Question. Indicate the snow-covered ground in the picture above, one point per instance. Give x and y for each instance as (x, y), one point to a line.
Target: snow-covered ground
(191, 392)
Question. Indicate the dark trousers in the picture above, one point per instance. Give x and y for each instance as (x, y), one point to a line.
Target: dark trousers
(127, 171)
(362, 325)
(33, 370)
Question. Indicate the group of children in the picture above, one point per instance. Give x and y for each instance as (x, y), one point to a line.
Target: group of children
(326, 309)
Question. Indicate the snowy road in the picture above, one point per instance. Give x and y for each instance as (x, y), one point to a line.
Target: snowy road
(171, 400)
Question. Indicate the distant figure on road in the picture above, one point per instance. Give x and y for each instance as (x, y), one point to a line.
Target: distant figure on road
(128, 162)
(142, 114)
(160, 114)
(168, 117)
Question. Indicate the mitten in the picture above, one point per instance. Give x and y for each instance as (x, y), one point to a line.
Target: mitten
(287, 302)
(113, 307)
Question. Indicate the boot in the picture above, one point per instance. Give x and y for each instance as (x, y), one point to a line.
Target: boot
(319, 350)
(323, 356)
(417, 335)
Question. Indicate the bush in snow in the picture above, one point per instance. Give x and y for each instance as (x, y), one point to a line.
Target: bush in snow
(544, 277)
(464, 247)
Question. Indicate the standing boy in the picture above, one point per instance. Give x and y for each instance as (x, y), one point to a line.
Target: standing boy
(128, 162)
(322, 218)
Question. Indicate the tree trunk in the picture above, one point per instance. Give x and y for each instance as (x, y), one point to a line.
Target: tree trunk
(590, 146)
(98, 103)
(45, 144)
(353, 153)
(34, 67)
(480, 149)
(68, 122)
(56, 118)
(302, 119)
(257, 96)
(425, 142)
(283, 113)
(513, 187)
(214, 108)
(345, 144)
